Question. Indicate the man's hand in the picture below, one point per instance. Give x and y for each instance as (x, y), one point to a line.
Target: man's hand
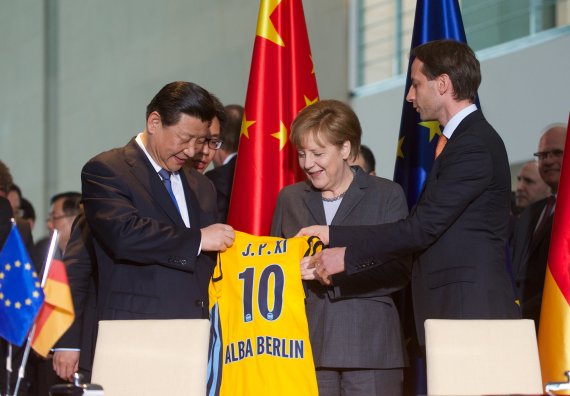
(308, 268)
(327, 263)
(65, 364)
(320, 231)
(217, 237)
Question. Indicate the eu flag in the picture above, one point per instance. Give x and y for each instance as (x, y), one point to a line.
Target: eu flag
(21, 296)
(434, 20)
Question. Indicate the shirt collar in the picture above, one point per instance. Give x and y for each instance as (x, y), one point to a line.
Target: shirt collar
(229, 157)
(456, 120)
(139, 141)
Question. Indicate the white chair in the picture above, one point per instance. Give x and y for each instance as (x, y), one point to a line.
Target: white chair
(152, 357)
(475, 357)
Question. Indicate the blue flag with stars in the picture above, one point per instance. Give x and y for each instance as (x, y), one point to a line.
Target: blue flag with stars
(21, 295)
(434, 20)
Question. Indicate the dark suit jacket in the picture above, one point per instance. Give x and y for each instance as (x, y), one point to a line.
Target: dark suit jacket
(81, 265)
(355, 323)
(457, 232)
(223, 178)
(530, 254)
(147, 259)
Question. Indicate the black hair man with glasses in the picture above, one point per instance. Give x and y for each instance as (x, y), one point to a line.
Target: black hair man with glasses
(214, 141)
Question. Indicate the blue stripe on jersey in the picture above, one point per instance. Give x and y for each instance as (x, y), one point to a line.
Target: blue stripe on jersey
(215, 353)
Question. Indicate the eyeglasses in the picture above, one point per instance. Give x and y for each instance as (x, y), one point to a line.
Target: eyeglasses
(214, 143)
(55, 218)
(542, 155)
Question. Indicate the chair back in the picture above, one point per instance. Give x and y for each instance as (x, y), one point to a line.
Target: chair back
(476, 357)
(152, 357)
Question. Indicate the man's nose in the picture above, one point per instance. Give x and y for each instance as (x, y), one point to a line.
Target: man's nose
(409, 96)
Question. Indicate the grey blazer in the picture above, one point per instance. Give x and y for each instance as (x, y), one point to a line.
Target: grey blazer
(353, 324)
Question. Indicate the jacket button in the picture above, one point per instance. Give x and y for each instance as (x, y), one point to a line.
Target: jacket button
(200, 303)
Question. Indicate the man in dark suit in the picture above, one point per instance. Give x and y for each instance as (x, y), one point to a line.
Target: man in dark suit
(150, 224)
(75, 349)
(225, 159)
(458, 230)
(531, 238)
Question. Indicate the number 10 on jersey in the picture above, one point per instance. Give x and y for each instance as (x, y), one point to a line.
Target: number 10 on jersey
(268, 287)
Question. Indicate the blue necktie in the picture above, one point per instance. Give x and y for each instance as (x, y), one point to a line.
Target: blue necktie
(165, 175)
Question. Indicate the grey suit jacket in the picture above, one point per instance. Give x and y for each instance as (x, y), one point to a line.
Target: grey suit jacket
(355, 323)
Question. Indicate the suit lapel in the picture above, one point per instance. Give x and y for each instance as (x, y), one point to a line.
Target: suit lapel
(143, 171)
(464, 125)
(313, 201)
(191, 200)
(353, 196)
(538, 237)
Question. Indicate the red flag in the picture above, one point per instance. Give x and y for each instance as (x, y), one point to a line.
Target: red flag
(554, 330)
(281, 83)
(57, 313)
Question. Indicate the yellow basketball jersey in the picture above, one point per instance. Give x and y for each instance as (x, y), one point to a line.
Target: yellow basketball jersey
(259, 342)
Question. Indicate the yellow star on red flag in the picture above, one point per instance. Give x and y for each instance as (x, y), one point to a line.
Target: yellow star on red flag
(309, 102)
(265, 27)
(245, 124)
(281, 135)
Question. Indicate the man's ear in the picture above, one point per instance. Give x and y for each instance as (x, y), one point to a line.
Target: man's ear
(444, 84)
(153, 122)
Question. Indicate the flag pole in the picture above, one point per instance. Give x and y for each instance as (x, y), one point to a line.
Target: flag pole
(8, 368)
(47, 265)
(9, 357)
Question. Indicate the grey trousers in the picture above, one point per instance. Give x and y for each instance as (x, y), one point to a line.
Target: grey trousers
(360, 382)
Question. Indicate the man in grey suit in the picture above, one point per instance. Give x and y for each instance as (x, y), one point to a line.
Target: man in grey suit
(354, 325)
(457, 232)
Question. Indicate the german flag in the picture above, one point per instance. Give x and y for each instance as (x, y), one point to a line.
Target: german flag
(57, 313)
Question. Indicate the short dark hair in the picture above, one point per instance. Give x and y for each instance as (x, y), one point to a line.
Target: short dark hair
(368, 158)
(71, 202)
(28, 212)
(232, 127)
(456, 60)
(17, 189)
(329, 120)
(181, 97)
(220, 112)
(6, 180)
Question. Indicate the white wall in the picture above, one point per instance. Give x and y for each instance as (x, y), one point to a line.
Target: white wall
(108, 58)
(523, 90)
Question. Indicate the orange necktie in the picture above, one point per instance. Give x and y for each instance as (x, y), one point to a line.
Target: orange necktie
(440, 145)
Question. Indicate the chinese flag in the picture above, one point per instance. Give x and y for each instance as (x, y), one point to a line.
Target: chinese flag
(281, 83)
(554, 330)
(57, 313)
